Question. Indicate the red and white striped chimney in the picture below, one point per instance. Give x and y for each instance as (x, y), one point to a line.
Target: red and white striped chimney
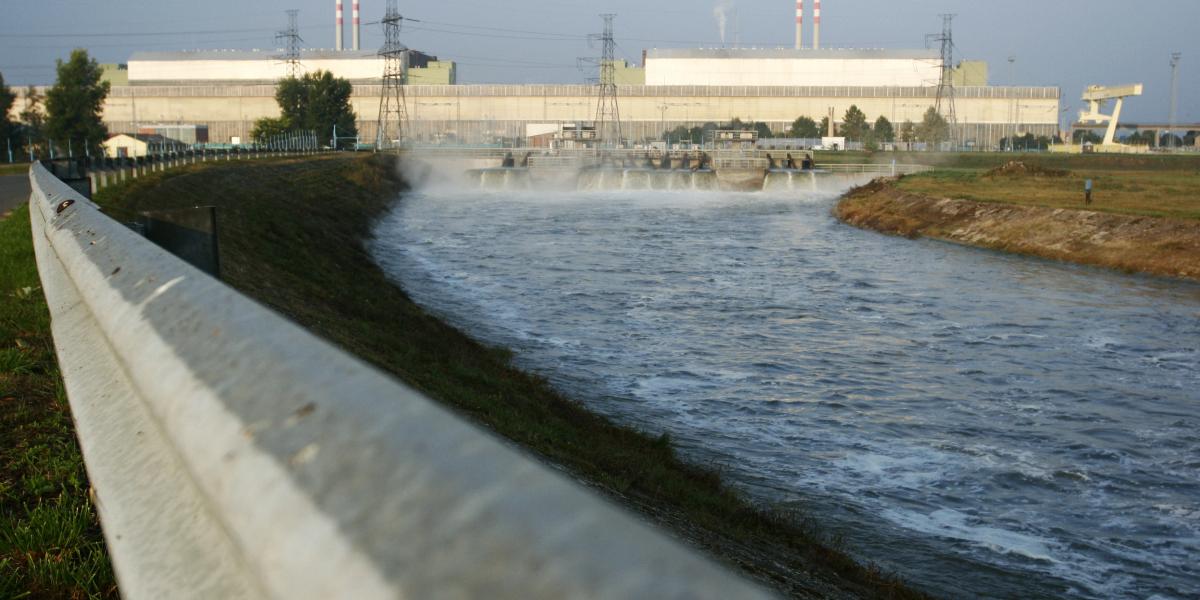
(341, 28)
(357, 26)
(816, 24)
(799, 24)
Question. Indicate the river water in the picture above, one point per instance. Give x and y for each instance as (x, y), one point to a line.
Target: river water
(983, 424)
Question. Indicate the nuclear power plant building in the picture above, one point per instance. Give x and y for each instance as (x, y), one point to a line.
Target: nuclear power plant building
(227, 91)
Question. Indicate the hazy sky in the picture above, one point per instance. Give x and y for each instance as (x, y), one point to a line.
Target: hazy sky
(1065, 43)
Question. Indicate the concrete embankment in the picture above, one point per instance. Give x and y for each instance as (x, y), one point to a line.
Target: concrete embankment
(1152, 245)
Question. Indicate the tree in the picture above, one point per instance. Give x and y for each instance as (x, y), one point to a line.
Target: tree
(908, 132)
(1082, 136)
(317, 101)
(33, 116)
(1170, 140)
(854, 124)
(700, 134)
(933, 128)
(764, 130)
(678, 135)
(75, 104)
(884, 131)
(805, 127)
(6, 102)
(824, 127)
(267, 128)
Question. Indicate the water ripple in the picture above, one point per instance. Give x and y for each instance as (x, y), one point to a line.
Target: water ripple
(1021, 428)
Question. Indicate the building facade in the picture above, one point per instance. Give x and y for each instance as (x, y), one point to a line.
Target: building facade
(792, 68)
(226, 92)
(489, 113)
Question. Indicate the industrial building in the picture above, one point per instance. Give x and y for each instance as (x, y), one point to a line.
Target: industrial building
(227, 91)
(250, 67)
(487, 113)
(788, 67)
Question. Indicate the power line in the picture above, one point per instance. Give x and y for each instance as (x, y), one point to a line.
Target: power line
(291, 39)
(945, 93)
(1175, 58)
(393, 111)
(608, 112)
(131, 33)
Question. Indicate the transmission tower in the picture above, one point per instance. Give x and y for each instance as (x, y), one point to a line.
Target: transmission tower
(945, 93)
(1175, 58)
(608, 113)
(290, 40)
(393, 114)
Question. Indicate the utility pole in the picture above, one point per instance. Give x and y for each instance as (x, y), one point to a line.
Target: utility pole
(1175, 58)
(290, 40)
(393, 112)
(945, 93)
(1012, 109)
(608, 113)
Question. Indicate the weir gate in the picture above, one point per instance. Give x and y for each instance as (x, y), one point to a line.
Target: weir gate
(727, 170)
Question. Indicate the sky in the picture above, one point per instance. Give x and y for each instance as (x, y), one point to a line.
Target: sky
(1065, 43)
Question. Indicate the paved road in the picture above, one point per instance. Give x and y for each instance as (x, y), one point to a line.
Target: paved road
(14, 191)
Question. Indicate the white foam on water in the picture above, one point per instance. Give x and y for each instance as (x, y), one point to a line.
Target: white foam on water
(953, 524)
(730, 321)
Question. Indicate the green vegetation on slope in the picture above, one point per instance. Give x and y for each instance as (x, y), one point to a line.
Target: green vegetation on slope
(50, 541)
(990, 160)
(14, 168)
(292, 237)
(1155, 193)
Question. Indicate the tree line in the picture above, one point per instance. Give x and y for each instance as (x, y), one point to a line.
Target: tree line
(855, 127)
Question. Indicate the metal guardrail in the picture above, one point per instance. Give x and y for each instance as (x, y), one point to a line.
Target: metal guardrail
(234, 455)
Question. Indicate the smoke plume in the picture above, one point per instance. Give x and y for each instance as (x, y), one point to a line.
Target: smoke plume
(721, 12)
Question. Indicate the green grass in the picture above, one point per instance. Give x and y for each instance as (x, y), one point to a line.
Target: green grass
(292, 237)
(50, 541)
(1154, 193)
(14, 168)
(991, 160)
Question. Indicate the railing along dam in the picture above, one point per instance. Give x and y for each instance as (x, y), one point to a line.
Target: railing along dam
(235, 455)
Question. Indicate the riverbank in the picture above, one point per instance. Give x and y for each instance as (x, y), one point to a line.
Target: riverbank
(293, 236)
(1147, 223)
(51, 545)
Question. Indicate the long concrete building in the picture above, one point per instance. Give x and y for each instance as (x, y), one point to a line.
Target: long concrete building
(689, 88)
(788, 67)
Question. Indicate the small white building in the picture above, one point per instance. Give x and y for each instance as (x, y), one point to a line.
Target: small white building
(133, 146)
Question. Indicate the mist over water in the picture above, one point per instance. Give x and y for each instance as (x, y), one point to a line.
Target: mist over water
(984, 424)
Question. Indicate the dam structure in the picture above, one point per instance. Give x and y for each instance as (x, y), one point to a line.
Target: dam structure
(739, 170)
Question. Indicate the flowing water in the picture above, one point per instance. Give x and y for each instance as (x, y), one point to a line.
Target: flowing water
(984, 424)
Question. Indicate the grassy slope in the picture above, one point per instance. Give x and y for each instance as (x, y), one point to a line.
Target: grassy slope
(1155, 193)
(292, 237)
(14, 168)
(1127, 242)
(991, 160)
(50, 540)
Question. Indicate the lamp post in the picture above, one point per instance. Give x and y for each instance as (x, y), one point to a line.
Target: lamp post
(662, 108)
